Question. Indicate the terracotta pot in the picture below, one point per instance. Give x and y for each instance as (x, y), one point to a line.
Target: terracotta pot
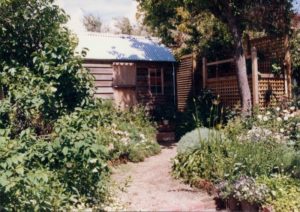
(233, 204)
(249, 207)
(268, 208)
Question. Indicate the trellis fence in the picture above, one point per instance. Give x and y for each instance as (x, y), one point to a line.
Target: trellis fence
(266, 88)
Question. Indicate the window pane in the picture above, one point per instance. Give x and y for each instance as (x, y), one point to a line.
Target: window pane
(155, 81)
(158, 90)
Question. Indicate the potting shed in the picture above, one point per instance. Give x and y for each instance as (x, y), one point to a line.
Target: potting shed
(130, 70)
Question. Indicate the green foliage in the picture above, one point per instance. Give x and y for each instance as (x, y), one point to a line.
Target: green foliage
(192, 140)
(205, 110)
(204, 26)
(24, 182)
(284, 193)
(273, 125)
(219, 159)
(55, 140)
(37, 60)
(243, 167)
(73, 158)
(295, 54)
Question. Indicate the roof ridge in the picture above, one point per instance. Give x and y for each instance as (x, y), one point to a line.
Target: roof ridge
(112, 35)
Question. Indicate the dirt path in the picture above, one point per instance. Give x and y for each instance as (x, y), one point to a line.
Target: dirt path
(151, 187)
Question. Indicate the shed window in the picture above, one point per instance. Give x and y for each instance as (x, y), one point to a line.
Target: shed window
(156, 81)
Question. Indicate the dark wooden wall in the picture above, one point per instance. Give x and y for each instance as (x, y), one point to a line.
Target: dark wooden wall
(144, 95)
(103, 73)
(105, 87)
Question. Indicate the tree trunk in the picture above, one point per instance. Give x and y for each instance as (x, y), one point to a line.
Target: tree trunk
(241, 70)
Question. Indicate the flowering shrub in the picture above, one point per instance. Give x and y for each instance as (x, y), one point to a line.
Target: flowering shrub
(273, 125)
(243, 189)
(264, 145)
(192, 140)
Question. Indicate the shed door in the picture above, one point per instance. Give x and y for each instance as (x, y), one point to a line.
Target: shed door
(124, 75)
(124, 83)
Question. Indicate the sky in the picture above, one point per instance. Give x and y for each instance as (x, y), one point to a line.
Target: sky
(107, 10)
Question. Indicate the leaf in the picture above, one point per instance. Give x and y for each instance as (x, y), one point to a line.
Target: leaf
(20, 170)
(65, 151)
(3, 181)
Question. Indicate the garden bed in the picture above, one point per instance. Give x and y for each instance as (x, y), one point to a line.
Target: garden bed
(252, 163)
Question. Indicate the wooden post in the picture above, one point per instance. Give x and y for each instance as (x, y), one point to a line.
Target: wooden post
(204, 72)
(287, 68)
(255, 88)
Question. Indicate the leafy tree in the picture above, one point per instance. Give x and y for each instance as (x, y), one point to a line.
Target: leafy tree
(237, 16)
(92, 23)
(124, 26)
(41, 75)
(295, 53)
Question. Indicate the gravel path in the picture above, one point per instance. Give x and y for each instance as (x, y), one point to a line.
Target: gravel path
(151, 187)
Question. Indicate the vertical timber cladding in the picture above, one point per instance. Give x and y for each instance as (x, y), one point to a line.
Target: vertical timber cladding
(185, 78)
(103, 74)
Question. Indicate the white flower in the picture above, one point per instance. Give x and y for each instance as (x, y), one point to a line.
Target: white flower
(265, 118)
(268, 113)
(142, 136)
(277, 108)
(285, 111)
(286, 118)
(93, 160)
(111, 146)
(292, 115)
(259, 117)
(292, 108)
(279, 119)
(282, 130)
(95, 170)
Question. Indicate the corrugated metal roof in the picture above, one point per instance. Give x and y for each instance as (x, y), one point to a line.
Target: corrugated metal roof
(123, 47)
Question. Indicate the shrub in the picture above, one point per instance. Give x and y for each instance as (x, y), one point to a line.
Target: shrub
(284, 192)
(138, 152)
(73, 159)
(204, 110)
(25, 184)
(220, 159)
(55, 139)
(274, 125)
(244, 189)
(192, 140)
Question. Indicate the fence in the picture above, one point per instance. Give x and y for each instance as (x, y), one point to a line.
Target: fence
(185, 80)
(266, 88)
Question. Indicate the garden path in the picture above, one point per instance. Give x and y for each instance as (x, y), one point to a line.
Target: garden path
(152, 188)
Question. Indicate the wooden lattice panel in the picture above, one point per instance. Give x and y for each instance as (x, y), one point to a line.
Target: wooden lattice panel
(269, 48)
(277, 88)
(227, 89)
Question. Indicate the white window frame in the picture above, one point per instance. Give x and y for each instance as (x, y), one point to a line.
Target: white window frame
(162, 80)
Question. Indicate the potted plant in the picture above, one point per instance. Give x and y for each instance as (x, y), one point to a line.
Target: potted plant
(249, 193)
(225, 192)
